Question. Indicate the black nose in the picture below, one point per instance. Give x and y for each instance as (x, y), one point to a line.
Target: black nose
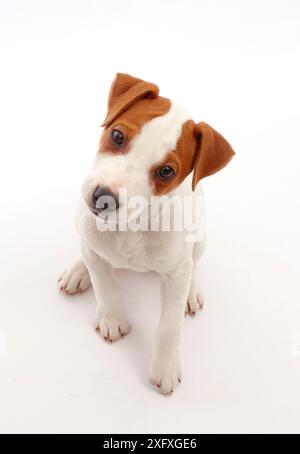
(104, 199)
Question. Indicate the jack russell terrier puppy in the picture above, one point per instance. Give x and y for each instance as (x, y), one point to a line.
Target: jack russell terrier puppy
(150, 148)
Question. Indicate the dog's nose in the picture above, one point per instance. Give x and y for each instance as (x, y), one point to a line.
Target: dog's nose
(104, 199)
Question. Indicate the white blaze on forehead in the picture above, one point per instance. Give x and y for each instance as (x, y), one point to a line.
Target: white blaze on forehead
(159, 136)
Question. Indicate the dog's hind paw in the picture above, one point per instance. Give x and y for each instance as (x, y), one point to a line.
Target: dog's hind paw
(194, 304)
(75, 280)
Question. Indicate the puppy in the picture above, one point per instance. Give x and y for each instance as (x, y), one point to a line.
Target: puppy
(150, 150)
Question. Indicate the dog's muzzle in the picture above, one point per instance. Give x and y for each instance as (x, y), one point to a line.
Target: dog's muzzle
(104, 200)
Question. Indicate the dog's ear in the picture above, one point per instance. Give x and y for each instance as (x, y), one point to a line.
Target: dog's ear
(212, 154)
(125, 91)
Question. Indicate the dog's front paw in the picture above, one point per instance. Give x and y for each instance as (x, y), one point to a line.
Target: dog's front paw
(194, 303)
(75, 280)
(165, 377)
(111, 328)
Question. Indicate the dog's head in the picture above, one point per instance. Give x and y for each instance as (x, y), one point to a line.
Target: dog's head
(149, 145)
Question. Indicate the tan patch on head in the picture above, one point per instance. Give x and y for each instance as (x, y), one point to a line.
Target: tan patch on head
(132, 102)
(181, 160)
(131, 121)
(200, 149)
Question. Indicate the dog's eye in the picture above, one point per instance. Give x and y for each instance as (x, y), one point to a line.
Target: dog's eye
(117, 137)
(165, 172)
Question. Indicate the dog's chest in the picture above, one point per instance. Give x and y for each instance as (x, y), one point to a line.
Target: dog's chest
(124, 250)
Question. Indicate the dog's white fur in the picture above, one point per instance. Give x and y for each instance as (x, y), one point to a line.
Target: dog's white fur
(167, 253)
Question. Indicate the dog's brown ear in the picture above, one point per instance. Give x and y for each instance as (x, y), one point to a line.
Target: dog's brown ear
(213, 152)
(125, 91)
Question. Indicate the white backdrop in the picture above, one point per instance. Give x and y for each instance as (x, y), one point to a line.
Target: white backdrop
(234, 64)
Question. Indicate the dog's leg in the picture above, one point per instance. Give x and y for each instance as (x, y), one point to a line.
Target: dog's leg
(165, 368)
(195, 299)
(111, 318)
(75, 280)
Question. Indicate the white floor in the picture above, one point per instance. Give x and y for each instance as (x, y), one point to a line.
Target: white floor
(241, 355)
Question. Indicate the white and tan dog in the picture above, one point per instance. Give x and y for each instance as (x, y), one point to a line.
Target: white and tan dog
(151, 147)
